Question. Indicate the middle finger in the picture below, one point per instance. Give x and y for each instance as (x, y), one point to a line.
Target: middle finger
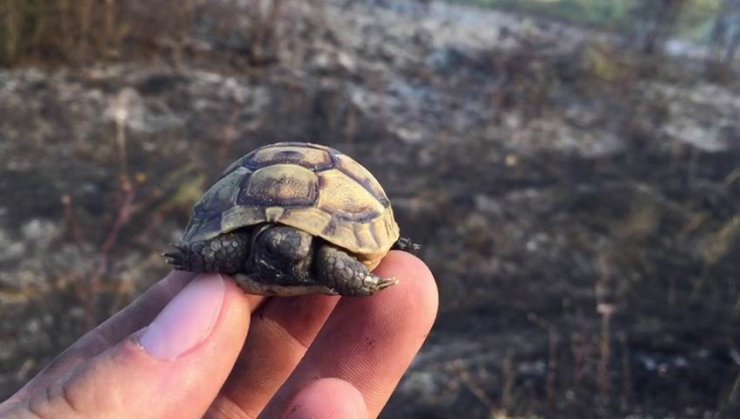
(281, 330)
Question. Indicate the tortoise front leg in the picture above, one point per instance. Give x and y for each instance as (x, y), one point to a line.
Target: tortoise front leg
(224, 253)
(345, 274)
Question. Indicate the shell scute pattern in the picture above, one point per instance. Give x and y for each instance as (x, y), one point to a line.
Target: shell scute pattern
(309, 157)
(280, 184)
(363, 177)
(302, 185)
(349, 200)
(220, 196)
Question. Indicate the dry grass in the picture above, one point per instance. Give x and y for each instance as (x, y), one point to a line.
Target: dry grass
(57, 29)
(75, 32)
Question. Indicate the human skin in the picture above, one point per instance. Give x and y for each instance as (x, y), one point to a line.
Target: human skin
(193, 347)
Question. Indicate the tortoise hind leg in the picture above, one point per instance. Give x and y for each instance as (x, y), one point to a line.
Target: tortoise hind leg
(405, 244)
(345, 274)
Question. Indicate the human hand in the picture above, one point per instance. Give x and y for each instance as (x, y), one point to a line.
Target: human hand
(181, 350)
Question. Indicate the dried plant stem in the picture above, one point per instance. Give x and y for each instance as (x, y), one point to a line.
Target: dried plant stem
(698, 287)
(95, 280)
(122, 218)
(265, 44)
(474, 388)
(70, 218)
(552, 366)
(509, 379)
(110, 20)
(691, 170)
(121, 144)
(85, 21)
(230, 135)
(734, 395)
(12, 31)
(732, 402)
(604, 381)
(350, 128)
(552, 357)
(624, 400)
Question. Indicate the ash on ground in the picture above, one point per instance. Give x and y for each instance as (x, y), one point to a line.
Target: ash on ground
(577, 203)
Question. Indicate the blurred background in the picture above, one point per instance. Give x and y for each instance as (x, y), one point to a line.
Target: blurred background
(572, 168)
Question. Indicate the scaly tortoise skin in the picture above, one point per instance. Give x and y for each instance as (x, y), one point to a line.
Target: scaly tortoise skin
(293, 219)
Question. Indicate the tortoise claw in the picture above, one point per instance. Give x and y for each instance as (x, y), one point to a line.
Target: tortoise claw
(386, 282)
(176, 257)
(374, 283)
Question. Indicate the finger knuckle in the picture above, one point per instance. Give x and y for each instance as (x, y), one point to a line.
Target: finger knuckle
(52, 401)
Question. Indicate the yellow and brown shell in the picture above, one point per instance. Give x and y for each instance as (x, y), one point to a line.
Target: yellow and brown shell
(307, 186)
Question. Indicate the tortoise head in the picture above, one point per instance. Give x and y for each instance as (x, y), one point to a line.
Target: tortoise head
(283, 255)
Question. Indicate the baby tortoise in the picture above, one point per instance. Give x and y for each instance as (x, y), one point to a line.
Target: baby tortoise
(293, 219)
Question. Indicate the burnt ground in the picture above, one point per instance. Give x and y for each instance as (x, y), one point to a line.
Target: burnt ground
(578, 203)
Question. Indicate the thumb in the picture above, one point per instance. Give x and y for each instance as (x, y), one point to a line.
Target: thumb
(175, 367)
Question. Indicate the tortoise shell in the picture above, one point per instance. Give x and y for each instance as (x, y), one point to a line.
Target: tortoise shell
(306, 186)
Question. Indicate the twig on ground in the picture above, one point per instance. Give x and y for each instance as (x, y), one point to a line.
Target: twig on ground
(624, 400)
(122, 218)
(73, 224)
(552, 352)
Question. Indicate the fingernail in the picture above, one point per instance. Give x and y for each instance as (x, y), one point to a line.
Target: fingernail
(187, 320)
